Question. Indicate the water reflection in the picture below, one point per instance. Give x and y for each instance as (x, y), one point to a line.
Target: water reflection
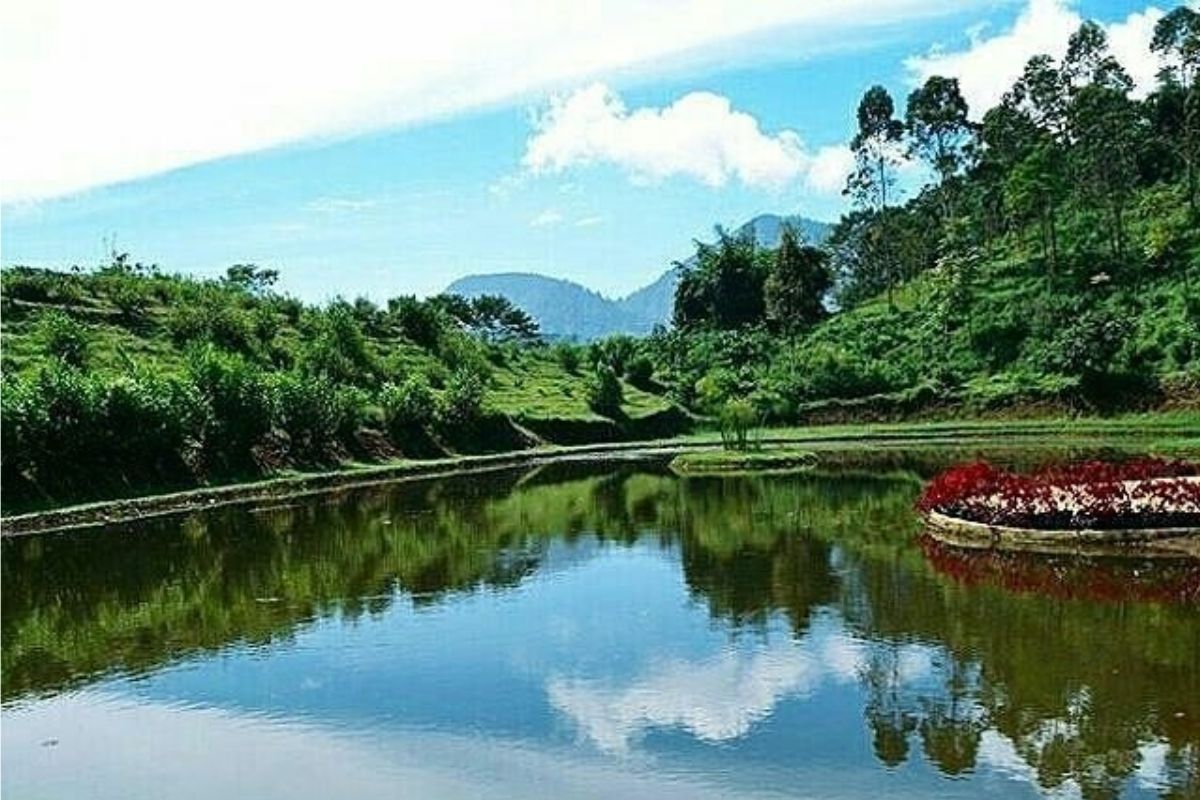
(763, 631)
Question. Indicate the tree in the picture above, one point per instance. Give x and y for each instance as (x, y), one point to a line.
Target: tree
(1177, 42)
(604, 391)
(876, 149)
(1088, 62)
(1034, 188)
(252, 279)
(494, 318)
(1106, 128)
(795, 289)
(940, 132)
(723, 285)
(1041, 94)
(1005, 137)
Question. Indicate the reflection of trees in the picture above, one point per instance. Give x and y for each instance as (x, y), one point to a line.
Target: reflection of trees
(1078, 687)
(79, 606)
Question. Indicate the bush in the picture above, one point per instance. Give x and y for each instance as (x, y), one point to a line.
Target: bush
(640, 372)
(338, 349)
(315, 413)
(150, 418)
(738, 417)
(568, 357)
(604, 391)
(408, 406)
(461, 403)
(63, 337)
(214, 317)
(235, 402)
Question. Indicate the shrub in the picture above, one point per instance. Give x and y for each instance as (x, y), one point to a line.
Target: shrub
(312, 411)
(419, 322)
(338, 349)
(63, 337)
(568, 357)
(214, 317)
(408, 406)
(461, 403)
(640, 372)
(738, 417)
(149, 418)
(235, 402)
(604, 391)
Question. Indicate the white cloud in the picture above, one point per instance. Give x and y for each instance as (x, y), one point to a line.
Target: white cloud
(95, 93)
(700, 136)
(990, 65)
(716, 699)
(830, 167)
(546, 218)
(587, 222)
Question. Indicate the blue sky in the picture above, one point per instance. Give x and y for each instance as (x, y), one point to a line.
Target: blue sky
(607, 191)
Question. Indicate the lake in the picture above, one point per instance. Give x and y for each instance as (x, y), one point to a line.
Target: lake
(594, 630)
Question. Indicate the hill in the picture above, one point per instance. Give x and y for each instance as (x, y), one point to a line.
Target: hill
(563, 309)
(567, 310)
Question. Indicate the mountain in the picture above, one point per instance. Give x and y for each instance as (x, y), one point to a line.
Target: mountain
(562, 308)
(566, 309)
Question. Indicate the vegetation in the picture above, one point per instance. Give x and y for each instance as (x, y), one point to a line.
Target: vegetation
(708, 462)
(1049, 264)
(1050, 261)
(752, 551)
(125, 379)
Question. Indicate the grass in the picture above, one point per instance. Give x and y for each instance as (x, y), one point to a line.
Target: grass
(535, 386)
(1174, 426)
(730, 461)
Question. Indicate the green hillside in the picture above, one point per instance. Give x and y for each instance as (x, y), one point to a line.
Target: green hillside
(126, 379)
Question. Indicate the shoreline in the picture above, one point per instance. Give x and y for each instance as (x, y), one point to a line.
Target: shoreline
(272, 490)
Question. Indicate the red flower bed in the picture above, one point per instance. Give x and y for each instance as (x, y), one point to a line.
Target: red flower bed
(1142, 493)
(1114, 580)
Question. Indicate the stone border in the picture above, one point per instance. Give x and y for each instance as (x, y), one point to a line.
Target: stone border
(1121, 541)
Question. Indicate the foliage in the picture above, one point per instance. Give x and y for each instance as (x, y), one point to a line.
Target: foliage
(723, 287)
(738, 418)
(315, 413)
(408, 406)
(796, 287)
(64, 338)
(461, 403)
(604, 391)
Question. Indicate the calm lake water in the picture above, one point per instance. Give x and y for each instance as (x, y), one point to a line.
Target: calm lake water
(582, 630)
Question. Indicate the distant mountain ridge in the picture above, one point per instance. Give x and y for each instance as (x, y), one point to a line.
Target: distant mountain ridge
(565, 309)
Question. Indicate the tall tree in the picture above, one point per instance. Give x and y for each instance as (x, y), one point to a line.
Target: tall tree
(797, 285)
(876, 149)
(1041, 93)
(1177, 42)
(1006, 135)
(723, 285)
(877, 155)
(1088, 61)
(1034, 188)
(939, 131)
(1106, 128)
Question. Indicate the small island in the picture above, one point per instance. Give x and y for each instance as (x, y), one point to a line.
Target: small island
(715, 462)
